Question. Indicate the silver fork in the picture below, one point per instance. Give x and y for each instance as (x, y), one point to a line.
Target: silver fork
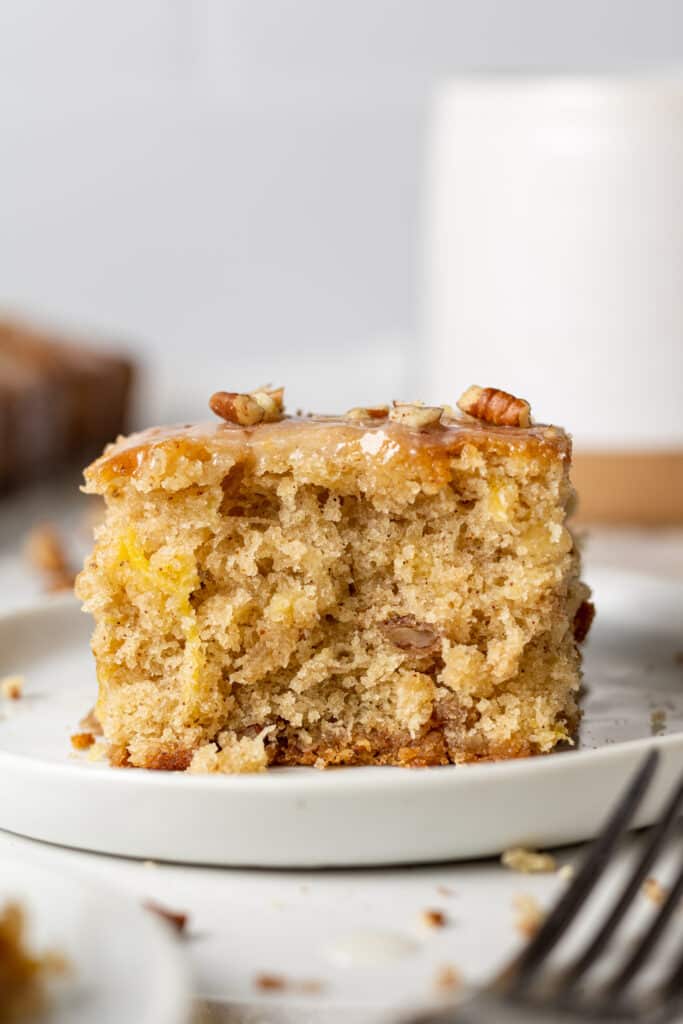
(527, 991)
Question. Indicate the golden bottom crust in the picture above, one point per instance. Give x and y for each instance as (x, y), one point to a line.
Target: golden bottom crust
(434, 748)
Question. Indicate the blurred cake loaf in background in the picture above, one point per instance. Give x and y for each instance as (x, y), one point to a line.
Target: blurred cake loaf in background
(60, 400)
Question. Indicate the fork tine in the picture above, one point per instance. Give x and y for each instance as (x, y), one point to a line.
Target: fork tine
(648, 942)
(657, 839)
(672, 989)
(568, 906)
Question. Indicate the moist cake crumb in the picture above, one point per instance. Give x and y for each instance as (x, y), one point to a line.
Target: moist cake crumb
(528, 861)
(528, 914)
(12, 687)
(82, 740)
(397, 586)
(654, 891)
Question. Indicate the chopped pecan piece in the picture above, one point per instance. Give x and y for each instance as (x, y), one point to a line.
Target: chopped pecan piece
(406, 633)
(433, 918)
(270, 982)
(495, 406)
(582, 621)
(262, 406)
(415, 415)
(176, 920)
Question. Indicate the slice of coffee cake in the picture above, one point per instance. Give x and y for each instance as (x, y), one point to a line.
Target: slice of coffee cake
(393, 586)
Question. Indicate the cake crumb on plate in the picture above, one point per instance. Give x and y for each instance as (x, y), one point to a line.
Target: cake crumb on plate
(654, 891)
(528, 914)
(528, 862)
(12, 687)
(82, 740)
(447, 978)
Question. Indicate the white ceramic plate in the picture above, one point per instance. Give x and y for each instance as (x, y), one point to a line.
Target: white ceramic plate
(300, 817)
(123, 964)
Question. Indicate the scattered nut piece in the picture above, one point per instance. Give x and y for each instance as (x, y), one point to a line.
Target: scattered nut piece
(415, 415)
(445, 890)
(377, 412)
(447, 979)
(433, 918)
(178, 921)
(45, 550)
(12, 687)
(267, 982)
(272, 401)
(583, 620)
(528, 861)
(654, 891)
(566, 872)
(528, 914)
(82, 740)
(270, 982)
(406, 633)
(263, 406)
(495, 406)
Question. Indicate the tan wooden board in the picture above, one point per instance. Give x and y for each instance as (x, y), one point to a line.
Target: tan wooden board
(629, 487)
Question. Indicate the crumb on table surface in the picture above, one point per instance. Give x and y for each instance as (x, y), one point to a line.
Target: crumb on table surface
(12, 687)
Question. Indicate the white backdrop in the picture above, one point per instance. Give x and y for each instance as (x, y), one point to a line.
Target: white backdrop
(233, 186)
